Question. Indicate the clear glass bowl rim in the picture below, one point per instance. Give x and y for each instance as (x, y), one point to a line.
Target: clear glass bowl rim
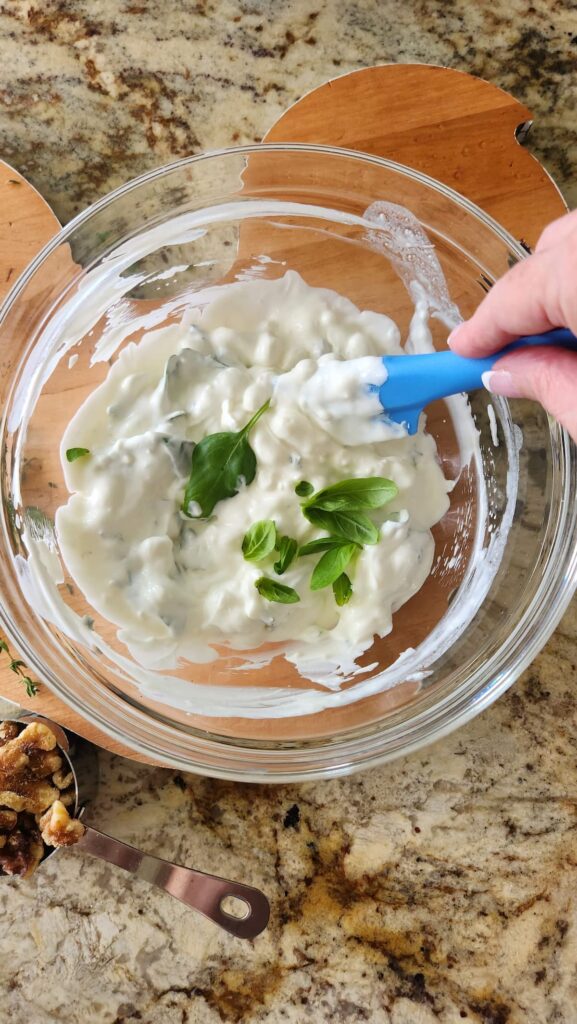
(159, 742)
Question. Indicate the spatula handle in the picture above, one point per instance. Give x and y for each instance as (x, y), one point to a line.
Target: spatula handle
(414, 382)
(466, 374)
(561, 337)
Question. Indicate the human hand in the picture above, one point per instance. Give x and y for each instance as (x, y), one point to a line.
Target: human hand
(537, 294)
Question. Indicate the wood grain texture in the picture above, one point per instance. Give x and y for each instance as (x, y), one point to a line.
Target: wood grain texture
(26, 224)
(455, 128)
(447, 124)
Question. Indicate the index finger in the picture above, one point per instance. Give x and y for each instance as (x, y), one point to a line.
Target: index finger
(557, 231)
(524, 301)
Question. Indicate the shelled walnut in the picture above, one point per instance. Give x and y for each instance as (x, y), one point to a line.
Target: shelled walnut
(36, 787)
(58, 828)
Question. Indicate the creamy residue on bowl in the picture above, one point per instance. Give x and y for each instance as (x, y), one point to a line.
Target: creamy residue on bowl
(179, 587)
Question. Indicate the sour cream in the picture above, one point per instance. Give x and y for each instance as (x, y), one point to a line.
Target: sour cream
(178, 587)
(343, 397)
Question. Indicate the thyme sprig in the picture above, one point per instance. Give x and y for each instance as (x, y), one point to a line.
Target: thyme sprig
(18, 667)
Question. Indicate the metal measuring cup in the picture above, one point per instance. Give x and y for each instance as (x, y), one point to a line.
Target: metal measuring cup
(240, 909)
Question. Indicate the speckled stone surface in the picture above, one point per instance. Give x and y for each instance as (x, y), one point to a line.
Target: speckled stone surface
(438, 889)
(92, 94)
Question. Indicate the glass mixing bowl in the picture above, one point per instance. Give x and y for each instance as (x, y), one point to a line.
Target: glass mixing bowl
(506, 558)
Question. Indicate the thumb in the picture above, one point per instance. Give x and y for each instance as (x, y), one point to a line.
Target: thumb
(548, 376)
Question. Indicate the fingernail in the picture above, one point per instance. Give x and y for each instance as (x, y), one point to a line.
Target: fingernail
(454, 334)
(500, 382)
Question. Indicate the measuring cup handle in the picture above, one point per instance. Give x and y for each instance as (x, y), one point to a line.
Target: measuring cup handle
(202, 892)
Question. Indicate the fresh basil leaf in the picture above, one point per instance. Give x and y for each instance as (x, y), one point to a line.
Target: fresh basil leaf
(356, 494)
(287, 550)
(331, 565)
(352, 526)
(220, 462)
(304, 489)
(273, 591)
(259, 541)
(320, 544)
(342, 589)
(76, 453)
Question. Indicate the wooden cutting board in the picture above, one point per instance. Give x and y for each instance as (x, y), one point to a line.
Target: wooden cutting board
(26, 224)
(461, 130)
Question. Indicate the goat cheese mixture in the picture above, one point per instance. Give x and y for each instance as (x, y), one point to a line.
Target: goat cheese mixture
(176, 582)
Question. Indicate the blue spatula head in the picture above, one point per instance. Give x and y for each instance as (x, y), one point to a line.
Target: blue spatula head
(415, 381)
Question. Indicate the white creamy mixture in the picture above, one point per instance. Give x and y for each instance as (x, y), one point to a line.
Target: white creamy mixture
(177, 586)
(343, 398)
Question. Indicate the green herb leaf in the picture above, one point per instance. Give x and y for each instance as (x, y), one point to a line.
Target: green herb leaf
(16, 665)
(352, 526)
(320, 544)
(342, 589)
(220, 462)
(31, 688)
(304, 489)
(259, 541)
(76, 453)
(273, 591)
(331, 565)
(287, 551)
(355, 495)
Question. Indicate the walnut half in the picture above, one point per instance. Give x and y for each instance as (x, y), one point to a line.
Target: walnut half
(22, 851)
(58, 828)
(35, 789)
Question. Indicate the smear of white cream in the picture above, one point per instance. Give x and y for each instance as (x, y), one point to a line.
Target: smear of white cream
(343, 398)
(493, 425)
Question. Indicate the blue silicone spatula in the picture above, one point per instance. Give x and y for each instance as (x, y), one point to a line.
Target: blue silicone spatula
(414, 381)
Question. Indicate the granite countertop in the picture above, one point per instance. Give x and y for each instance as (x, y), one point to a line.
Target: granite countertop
(441, 888)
